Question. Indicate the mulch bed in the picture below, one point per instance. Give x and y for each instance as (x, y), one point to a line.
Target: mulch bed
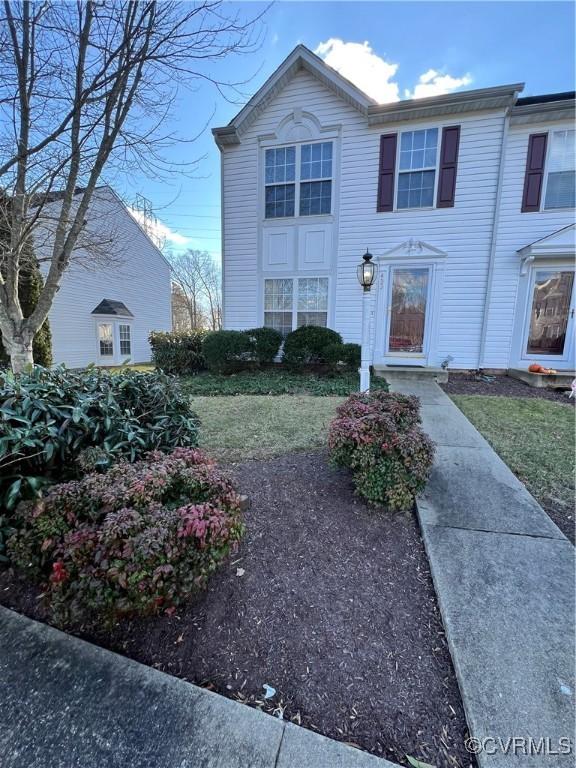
(502, 386)
(327, 601)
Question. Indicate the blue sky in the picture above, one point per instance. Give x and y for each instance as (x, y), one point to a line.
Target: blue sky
(397, 48)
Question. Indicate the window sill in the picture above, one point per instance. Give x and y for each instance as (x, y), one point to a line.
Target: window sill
(296, 219)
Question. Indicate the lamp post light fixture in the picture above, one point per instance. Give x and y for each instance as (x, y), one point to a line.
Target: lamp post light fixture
(366, 273)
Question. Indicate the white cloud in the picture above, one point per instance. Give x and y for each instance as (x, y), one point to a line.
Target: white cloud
(159, 232)
(358, 62)
(375, 76)
(433, 83)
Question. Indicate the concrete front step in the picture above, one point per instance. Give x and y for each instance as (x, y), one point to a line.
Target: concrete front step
(560, 380)
(412, 372)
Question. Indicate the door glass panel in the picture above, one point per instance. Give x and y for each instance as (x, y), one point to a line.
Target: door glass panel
(408, 310)
(549, 312)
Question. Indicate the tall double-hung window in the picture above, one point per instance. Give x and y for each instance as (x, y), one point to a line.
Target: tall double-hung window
(561, 170)
(299, 180)
(292, 302)
(417, 168)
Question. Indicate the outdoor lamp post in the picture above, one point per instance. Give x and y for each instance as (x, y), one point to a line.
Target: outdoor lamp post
(366, 272)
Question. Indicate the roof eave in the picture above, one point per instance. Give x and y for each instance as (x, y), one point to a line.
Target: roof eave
(500, 97)
(545, 112)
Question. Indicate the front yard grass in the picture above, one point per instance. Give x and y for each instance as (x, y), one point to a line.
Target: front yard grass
(258, 426)
(536, 439)
(276, 382)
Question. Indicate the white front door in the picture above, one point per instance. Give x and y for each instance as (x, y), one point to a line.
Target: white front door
(549, 322)
(408, 315)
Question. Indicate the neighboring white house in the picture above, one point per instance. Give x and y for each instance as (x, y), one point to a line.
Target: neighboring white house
(116, 290)
(465, 200)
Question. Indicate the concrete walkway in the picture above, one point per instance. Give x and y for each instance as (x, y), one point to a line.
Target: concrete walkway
(504, 576)
(67, 704)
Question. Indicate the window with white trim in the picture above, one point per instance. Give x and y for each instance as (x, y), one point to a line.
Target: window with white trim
(312, 301)
(298, 178)
(292, 302)
(125, 339)
(105, 339)
(561, 170)
(417, 168)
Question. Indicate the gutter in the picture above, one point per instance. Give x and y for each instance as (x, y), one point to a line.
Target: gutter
(494, 240)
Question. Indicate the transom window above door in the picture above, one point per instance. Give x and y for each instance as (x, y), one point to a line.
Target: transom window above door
(290, 303)
(417, 168)
(298, 178)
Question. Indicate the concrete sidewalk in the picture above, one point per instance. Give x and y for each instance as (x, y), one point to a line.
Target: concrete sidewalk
(67, 704)
(504, 576)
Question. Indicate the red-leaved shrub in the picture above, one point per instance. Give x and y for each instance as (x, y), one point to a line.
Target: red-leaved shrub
(136, 539)
(379, 438)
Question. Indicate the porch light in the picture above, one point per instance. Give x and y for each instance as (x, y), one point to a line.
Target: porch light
(366, 271)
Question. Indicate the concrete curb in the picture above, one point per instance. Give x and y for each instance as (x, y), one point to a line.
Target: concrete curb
(65, 703)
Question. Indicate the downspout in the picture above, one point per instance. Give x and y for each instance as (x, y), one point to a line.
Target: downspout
(222, 225)
(494, 239)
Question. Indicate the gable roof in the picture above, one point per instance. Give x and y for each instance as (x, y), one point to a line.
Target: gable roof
(302, 58)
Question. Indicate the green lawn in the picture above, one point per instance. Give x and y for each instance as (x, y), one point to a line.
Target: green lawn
(280, 382)
(259, 426)
(535, 438)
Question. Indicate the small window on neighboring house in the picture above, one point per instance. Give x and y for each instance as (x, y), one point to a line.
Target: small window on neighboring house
(312, 301)
(291, 302)
(278, 305)
(316, 179)
(125, 342)
(417, 168)
(280, 179)
(561, 170)
(105, 339)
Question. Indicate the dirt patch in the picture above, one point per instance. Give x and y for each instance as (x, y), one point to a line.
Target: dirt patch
(501, 386)
(328, 602)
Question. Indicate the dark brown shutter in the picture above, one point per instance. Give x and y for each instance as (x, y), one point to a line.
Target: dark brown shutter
(534, 177)
(386, 172)
(448, 167)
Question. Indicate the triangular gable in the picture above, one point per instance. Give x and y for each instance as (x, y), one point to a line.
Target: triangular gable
(562, 239)
(301, 58)
(414, 249)
(559, 243)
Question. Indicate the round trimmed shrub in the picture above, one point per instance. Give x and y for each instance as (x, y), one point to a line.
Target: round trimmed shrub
(228, 351)
(308, 345)
(378, 436)
(347, 355)
(266, 343)
(135, 540)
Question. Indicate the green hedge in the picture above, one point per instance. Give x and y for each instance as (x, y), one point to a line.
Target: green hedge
(228, 351)
(178, 353)
(266, 341)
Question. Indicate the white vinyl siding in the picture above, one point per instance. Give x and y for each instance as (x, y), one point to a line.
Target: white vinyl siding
(138, 276)
(515, 230)
(463, 232)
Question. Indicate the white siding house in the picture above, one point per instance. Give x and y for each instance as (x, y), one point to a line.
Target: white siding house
(116, 290)
(314, 172)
